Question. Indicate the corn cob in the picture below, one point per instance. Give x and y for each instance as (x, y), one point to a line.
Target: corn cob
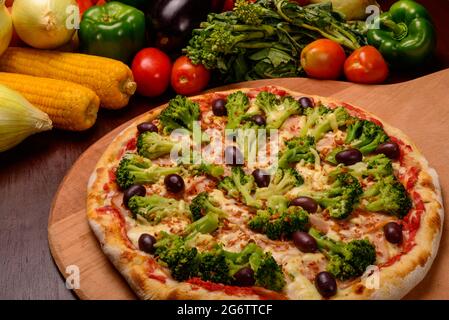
(110, 79)
(69, 105)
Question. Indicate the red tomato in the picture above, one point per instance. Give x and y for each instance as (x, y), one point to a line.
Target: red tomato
(366, 65)
(187, 78)
(323, 59)
(151, 69)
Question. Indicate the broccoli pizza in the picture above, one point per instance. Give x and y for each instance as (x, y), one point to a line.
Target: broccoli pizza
(265, 193)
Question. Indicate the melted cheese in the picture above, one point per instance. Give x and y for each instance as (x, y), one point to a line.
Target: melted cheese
(299, 287)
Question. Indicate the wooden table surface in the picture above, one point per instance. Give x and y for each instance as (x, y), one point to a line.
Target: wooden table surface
(31, 173)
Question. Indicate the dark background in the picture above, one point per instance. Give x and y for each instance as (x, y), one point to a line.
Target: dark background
(31, 173)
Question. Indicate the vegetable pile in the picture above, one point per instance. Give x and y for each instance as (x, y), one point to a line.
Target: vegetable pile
(264, 39)
(148, 47)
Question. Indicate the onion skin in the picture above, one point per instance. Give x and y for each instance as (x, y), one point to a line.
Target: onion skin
(5, 28)
(19, 119)
(42, 23)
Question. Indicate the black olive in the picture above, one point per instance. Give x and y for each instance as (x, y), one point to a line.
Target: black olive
(259, 120)
(147, 242)
(393, 232)
(349, 156)
(304, 242)
(261, 177)
(244, 277)
(174, 183)
(219, 107)
(147, 126)
(135, 190)
(306, 203)
(389, 149)
(326, 284)
(233, 156)
(306, 102)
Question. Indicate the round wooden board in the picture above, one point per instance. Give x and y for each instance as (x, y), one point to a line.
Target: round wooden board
(418, 107)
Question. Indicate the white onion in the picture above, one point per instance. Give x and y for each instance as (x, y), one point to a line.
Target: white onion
(44, 24)
(5, 28)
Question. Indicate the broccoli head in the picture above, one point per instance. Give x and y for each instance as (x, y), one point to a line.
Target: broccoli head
(282, 182)
(239, 111)
(320, 120)
(134, 169)
(180, 258)
(269, 273)
(218, 265)
(342, 196)
(152, 145)
(209, 169)
(277, 110)
(239, 184)
(154, 208)
(181, 113)
(378, 166)
(365, 135)
(214, 266)
(203, 204)
(388, 195)
(279, 223)
(297, 149)
(206, 224)
(346, 260)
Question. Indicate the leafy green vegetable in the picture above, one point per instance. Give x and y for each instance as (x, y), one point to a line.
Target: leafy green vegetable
(264, 39)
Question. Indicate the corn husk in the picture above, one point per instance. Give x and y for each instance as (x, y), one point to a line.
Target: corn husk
(19, 119)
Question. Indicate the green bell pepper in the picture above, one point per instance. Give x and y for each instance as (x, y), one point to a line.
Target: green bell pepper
(114, 30)
(406, 36)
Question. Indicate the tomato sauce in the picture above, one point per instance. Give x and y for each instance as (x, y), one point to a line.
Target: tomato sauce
(115, 213)
(230, 290)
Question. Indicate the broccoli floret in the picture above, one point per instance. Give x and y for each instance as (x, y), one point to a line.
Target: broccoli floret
(282, 182)
(181, 259)
(388, 195)
(134, 169)
(378, 166)
(214, 266)
(218, 265)
(277, 110)
(297, 149)
(365, 135)
(203, 204)
(342, 196)
(335, 119)
(181, 113)
(206, 224)
(209, 169)
(346, 260)
(239, 113)
(320, 120)
(241, 185)
(152, 145)
(154, 208)
(279, 223)
(269, 274)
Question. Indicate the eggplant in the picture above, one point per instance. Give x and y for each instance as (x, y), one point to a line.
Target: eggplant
(174, 20)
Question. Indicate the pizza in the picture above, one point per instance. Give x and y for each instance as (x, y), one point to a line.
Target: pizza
(265, 193)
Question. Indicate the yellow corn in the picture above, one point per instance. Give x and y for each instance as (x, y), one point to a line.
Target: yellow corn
(111, 80)
(69, 105)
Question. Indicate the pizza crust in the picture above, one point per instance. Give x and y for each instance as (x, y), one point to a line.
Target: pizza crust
(396, 280)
